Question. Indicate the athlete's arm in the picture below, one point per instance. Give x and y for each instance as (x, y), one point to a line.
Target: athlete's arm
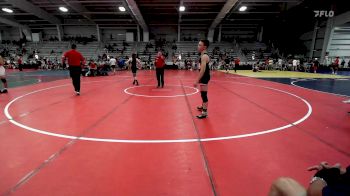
(128, 63)
(139, 63)
(82, 60)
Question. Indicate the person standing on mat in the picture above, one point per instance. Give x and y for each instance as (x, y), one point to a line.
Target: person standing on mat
(20, 63)
(134, 62)
(3, 75)
(335, 65)
(75, 62)
(227, 63)
(203, 78)
(160, 63)
(315, 65)
(113, 64)
(237, 61)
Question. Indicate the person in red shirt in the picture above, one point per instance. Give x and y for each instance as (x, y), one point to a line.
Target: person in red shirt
(237, 61)
(160, 64)
(335, 65)
(3, 75)
(93, 68)
(75, 62)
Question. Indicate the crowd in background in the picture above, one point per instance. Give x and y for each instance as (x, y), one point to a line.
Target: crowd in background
(220, 59)
(300, 64)
(79, 39)
(115, 48)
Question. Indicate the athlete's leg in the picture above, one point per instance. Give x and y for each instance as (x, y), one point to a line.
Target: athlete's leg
(4, 83)
(204, 96)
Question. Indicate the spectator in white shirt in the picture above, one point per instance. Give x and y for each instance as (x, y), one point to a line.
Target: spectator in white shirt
(113, 63)
(295, 65)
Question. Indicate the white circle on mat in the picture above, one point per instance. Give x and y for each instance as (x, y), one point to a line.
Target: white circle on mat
(45, 132)
(160, 96)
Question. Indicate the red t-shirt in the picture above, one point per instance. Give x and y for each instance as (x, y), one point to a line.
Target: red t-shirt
(237, 61)
(19, 61)
(74, 58)
(160, 62)
(336, 62)
(93, 66)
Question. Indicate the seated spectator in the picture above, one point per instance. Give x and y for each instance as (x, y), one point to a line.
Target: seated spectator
(174, 47)
(328, 181)
(125, 44)
(256, 67)
(103, 69)
(121, 62)
(92, 68)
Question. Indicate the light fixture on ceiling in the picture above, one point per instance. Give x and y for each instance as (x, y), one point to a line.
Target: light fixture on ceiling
(243, 8)
(7, 10)
(122, 8)
(63, 9)
(182, 8)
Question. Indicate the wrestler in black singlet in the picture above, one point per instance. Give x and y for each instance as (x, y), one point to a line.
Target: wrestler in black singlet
(206, 76)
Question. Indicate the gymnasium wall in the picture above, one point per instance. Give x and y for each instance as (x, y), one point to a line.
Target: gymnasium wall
(163, 32)
(307, 39)
(84, 31)
(118, 35)
(242, 34)
(340, 42)
(47, 33)
(10, 34)
(199, 34)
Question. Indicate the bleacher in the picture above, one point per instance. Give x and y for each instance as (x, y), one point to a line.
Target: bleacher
(140, 49)
(50, 50)
(256, 49)
(89, 50)
(117, 46)
(144, 55)
(189, 50)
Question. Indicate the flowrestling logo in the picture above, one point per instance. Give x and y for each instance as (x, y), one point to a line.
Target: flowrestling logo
(323, 13)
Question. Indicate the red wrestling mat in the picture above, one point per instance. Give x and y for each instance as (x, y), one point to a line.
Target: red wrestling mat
(119, 139)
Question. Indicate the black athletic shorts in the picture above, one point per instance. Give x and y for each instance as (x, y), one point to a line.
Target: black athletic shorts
(204, 80)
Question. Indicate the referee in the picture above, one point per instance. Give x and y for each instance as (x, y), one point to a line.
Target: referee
(160, 63)
(75, 62)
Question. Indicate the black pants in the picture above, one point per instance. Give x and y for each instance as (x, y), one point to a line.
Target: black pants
(20, 67)
(160, 76)
(75, 72)
(236, 66)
